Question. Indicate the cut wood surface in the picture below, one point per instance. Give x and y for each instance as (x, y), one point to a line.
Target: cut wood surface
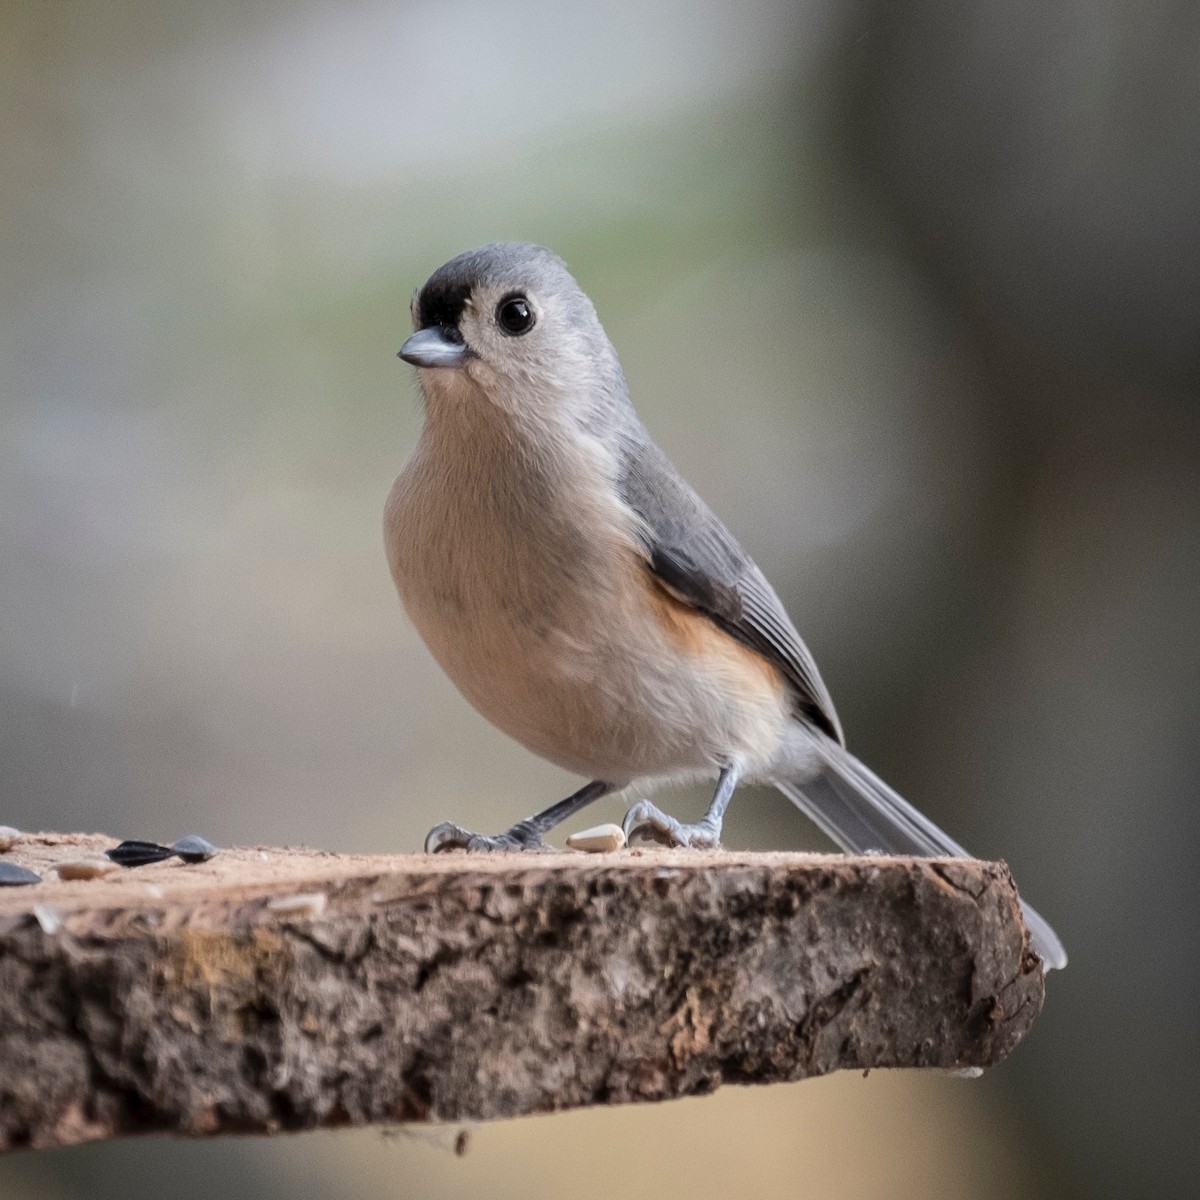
(283, 989)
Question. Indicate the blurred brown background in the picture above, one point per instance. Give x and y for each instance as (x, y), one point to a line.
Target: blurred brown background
(909, 290)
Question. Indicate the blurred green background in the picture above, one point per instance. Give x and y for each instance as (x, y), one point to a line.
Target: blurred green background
(909, 290)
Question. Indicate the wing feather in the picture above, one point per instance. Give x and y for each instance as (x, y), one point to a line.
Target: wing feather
(699, 561)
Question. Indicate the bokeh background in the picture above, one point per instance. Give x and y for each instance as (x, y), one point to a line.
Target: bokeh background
(910, 291)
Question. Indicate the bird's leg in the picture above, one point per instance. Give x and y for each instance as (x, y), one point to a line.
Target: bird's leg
(648, 822)
(524, 835)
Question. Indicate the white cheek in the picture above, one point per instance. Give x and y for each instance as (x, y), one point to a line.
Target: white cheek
(478, 334)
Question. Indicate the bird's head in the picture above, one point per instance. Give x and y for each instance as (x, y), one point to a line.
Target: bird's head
(508, 323)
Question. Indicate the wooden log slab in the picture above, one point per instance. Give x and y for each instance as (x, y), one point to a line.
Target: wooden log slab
(270, 989)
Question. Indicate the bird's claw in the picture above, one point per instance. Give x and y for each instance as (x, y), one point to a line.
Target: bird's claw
(647, 822)
(448, 836)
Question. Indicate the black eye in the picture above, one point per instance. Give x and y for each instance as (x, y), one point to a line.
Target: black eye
(514, 315)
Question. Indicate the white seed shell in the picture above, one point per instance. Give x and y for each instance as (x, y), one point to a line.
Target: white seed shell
(8, 837)
(307, 904)
(47, 918)
(601, 839)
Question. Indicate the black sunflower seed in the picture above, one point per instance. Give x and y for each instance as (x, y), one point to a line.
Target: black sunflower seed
(139, 854)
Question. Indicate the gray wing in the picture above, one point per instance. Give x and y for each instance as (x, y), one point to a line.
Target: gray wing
(697, 559)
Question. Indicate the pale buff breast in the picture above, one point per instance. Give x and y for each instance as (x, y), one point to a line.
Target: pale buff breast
(537, 602)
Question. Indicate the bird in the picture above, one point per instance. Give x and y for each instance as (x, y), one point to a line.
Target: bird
(585, 600)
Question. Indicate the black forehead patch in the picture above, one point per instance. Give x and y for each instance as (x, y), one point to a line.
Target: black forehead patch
(441, 301)
(504, 264)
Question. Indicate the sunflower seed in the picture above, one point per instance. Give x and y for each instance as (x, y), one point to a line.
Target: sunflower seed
(194, 849)
(598, 840)
(13, 876)
(132, 853)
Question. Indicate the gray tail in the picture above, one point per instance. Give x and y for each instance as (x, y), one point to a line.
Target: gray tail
(863, 815)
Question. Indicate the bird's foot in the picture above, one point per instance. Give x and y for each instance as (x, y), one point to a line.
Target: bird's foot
(647, 822)
(448, 836)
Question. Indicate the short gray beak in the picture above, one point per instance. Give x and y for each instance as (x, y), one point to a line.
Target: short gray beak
(438, 346)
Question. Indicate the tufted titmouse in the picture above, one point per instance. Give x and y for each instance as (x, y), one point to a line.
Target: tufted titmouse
(584, 599)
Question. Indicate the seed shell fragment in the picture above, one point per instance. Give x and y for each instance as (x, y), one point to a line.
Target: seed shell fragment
(85, 868)
(12, 875)
(194, 848)
(601, 839)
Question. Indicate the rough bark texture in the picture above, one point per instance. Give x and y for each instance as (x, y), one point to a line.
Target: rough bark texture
(287, 989)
